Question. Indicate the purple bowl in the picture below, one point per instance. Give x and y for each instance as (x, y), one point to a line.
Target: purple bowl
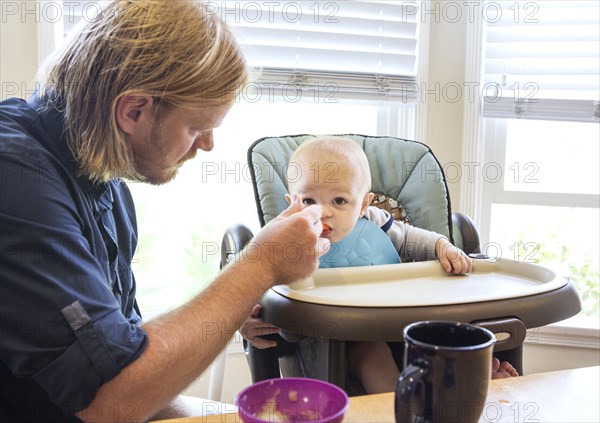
(292, 399)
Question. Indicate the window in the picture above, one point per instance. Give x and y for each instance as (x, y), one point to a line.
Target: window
(543, 202)
(541, 136)
(361, 49)
(324, 67)
(299, 90)
(181, 224)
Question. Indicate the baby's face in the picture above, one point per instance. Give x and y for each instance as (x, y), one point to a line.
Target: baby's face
(337, 189)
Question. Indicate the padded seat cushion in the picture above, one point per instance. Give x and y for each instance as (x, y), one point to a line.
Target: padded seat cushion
(404, 170)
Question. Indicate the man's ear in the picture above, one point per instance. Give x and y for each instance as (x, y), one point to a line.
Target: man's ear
(133, 112)
(366, 203)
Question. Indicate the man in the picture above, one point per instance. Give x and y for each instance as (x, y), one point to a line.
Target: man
(134, 95)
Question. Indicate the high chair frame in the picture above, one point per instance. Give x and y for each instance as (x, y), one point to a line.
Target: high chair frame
(314, 336)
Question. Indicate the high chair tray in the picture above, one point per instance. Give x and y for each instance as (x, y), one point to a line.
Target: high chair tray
(422, 284)
(375, 303)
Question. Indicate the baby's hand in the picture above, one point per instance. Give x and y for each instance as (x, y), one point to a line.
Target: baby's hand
(255, 328)
(452, 259)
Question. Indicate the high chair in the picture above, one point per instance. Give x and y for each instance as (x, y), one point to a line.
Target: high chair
(375, 303)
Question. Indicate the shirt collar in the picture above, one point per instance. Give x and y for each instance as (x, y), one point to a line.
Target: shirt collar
(52, 119)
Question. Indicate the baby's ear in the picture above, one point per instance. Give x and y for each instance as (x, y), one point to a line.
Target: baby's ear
(288, 198)
(366, 203)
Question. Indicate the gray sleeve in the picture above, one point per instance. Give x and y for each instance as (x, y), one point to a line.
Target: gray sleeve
(411, 242)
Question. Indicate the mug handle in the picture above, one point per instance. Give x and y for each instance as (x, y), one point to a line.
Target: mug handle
(406, 389)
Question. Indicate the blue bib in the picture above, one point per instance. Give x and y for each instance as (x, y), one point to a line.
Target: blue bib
(366, 245)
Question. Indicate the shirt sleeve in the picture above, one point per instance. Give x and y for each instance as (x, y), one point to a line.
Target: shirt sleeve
(411, 242)
(60, 324)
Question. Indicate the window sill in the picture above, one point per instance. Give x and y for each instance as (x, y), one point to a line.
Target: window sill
(576, 332)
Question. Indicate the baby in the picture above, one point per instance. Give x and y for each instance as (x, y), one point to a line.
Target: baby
(334, 173)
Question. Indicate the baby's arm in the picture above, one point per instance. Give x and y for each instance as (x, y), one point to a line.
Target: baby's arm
(255, 328)
(411, 242)
(420, 244)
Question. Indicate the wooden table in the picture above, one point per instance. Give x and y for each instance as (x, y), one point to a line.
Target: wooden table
(562, 396)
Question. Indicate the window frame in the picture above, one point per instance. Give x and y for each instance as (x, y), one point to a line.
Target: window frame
(495, 142)
(485, 142)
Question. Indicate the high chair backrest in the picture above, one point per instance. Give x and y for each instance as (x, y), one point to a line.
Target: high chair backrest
(405, 171)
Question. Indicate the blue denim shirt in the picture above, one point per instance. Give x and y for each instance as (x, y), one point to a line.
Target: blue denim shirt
(67, 318)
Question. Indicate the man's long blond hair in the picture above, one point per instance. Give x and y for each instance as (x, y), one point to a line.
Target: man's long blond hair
(175, 51)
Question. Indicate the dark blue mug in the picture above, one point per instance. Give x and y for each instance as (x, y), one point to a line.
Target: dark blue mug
(447, 371)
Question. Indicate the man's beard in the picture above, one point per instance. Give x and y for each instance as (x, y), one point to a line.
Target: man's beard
(149, 161)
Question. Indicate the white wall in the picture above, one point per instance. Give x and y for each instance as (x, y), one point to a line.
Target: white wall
(237, 376)
(18, 54)
(444, 108)
(538, 357)
(18, 63)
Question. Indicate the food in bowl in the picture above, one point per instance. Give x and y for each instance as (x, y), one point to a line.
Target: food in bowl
(292, 400)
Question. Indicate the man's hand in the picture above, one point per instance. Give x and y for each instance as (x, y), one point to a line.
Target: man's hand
(452, 259)
(288, 247)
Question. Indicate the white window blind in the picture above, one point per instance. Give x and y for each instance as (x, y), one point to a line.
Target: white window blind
(361, 49)
(542, 60)
(350, 49)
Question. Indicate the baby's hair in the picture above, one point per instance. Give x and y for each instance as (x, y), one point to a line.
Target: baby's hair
(343, 149)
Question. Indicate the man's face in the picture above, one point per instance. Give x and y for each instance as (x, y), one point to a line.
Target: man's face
(173, 139)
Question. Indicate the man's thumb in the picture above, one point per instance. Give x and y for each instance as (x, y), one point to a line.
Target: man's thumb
(294, 207)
